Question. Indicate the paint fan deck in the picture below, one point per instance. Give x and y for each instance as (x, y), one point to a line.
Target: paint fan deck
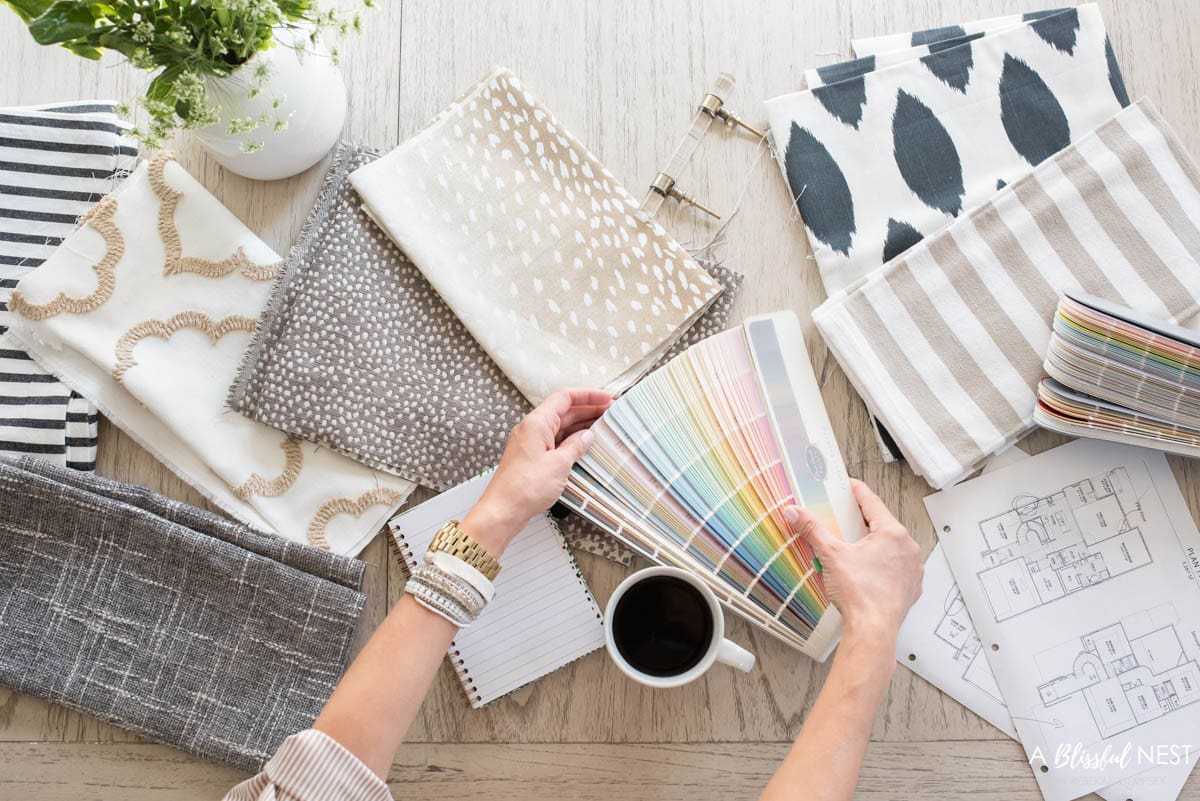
(695, 464)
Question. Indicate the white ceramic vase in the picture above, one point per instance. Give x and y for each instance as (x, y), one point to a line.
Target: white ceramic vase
(312, 101)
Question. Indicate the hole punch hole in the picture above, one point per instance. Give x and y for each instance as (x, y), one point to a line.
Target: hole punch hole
(995, 647)
(945, 529)
(1045, 768)
(912, 657)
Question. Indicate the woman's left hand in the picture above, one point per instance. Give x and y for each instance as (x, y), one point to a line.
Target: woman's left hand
(533, 470)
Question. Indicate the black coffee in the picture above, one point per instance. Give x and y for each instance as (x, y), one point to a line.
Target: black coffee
(662, 626)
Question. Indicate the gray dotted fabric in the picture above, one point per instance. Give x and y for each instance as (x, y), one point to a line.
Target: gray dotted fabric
(359, 353)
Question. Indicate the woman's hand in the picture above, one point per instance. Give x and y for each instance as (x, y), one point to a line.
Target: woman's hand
(872, 582)
(534, 467)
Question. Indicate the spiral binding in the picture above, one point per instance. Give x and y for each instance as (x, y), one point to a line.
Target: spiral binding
(399, 547)
(587, 588)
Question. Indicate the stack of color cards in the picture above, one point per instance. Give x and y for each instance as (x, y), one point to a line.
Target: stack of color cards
(1121, 376)
(695, 464)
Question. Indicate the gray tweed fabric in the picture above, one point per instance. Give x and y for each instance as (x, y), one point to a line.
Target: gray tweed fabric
(165, 619)
(359, 353)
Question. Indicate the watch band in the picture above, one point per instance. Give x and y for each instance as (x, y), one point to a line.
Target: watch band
(454, 541)
(455, 566)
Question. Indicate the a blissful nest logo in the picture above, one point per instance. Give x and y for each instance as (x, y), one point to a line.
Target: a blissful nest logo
(1077, 756)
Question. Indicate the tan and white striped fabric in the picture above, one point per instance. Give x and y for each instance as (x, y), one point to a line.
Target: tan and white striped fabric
(945, 343)
(312, 766)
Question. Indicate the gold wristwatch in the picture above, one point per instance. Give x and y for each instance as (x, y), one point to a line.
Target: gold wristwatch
(454, 541)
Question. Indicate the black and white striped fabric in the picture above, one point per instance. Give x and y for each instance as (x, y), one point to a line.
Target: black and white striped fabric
(55, 163)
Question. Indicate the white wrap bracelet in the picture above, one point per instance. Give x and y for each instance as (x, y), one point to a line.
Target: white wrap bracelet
(455, 566)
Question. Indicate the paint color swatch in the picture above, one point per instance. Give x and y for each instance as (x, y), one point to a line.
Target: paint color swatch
(1120, 375)
(695, 464)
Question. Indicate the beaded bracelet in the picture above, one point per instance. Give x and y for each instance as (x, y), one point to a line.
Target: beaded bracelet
(437, 602)
(453, 586)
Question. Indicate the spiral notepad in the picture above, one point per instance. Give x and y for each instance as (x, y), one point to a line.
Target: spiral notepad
(695, 464)
(543, 615)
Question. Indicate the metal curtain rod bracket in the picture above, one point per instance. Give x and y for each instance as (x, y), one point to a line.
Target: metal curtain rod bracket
(710, 109)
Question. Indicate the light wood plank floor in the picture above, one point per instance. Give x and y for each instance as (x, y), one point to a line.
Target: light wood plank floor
(624, 75)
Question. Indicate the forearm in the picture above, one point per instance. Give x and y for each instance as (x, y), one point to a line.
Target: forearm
(824, 762)
(378, 698)
(376, 701)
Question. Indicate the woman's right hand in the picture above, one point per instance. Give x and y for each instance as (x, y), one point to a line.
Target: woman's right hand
(872, 582)
(534, 468)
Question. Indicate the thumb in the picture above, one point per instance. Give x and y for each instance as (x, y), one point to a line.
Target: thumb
(573, 447)
(811, 530)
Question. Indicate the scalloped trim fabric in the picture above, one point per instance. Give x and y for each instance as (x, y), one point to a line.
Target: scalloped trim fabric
(158, 357)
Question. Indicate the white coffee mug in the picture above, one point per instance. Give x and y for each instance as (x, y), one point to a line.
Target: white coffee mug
(719, 648)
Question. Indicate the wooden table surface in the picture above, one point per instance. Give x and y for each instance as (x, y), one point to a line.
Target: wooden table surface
(624, 75)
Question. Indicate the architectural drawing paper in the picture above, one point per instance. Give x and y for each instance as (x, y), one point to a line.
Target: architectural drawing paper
(1082, 566)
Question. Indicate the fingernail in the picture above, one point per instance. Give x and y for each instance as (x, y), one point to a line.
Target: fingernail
(792, 515)
(587, 437)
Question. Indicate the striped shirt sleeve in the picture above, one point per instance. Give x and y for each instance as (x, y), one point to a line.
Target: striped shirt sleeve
(312, 766)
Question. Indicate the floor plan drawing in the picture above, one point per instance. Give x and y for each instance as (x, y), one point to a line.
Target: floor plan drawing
(1125, 680)
(1045, 548)
(938, 642)
(955, 630)
(1080, 570)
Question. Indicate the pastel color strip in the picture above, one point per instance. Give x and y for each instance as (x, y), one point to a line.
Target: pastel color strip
(701, 458)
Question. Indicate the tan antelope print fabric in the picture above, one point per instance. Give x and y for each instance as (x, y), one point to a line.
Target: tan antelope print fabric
(351, 315)
(534, 244)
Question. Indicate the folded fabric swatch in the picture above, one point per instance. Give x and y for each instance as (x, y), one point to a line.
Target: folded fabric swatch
(359, 353)
(945, 344)
(146, 310)
(534, 244)
(880, 161)
(853, 68)
(55, 162)
(871, 45)
(165, 619)
(886, 51)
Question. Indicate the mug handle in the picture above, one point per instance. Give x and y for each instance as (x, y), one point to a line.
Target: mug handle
(736, 656)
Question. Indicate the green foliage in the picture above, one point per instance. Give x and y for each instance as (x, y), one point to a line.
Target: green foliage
(29, 9)
(185, 42)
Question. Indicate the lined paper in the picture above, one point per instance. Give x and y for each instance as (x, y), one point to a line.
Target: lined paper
(543, 615)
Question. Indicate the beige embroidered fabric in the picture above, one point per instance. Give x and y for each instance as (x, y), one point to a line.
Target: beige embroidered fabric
(175, 262)
(146, 310)
(534, 244)
(100, 218)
